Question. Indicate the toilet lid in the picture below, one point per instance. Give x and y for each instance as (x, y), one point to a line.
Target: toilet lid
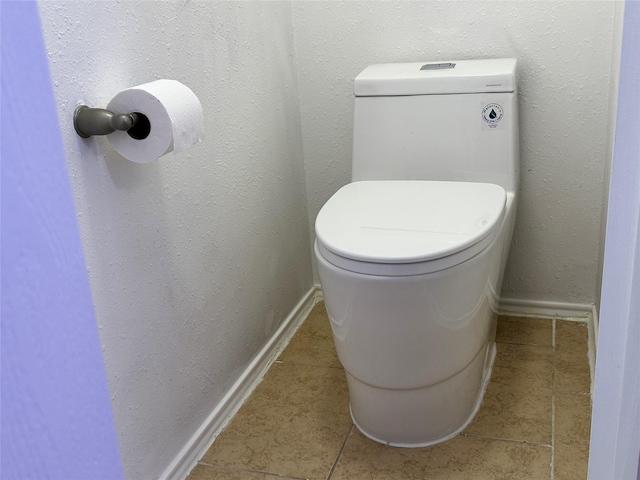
(408, 221)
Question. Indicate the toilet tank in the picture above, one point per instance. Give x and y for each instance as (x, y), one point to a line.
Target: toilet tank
(453, 121)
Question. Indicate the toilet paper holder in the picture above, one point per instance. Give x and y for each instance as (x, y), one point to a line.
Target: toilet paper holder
(90, 121)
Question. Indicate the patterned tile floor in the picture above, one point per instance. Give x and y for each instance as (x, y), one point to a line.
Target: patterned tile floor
(533, 424)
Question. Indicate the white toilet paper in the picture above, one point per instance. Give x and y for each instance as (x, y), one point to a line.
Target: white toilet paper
(174, 113)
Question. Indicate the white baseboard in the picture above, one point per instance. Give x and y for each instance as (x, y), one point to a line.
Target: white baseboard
(318, 293)
(546, 309)
(595, 323)
(593, 345)
(202, 439)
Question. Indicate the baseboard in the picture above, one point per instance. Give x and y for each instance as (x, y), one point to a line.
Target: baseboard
(202, 439)
(593, 344)
(595, 323)
(319, 296)
(546, 309)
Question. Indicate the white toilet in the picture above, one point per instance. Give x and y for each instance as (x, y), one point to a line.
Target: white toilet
(411, 254)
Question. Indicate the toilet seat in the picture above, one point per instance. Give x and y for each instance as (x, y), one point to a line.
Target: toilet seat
(397, 228)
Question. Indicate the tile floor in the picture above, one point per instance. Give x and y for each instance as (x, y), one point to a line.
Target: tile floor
(533, 424)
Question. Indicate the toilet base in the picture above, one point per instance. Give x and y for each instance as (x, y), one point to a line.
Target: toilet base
(423, 416)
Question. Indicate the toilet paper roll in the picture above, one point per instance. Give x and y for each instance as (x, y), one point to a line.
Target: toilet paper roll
(175, 120)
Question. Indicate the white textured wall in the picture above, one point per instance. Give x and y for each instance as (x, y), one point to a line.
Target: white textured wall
(565, 50)
(194, 260)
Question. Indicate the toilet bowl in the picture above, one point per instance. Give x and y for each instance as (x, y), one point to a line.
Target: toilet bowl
(411, 254)
(415, 336)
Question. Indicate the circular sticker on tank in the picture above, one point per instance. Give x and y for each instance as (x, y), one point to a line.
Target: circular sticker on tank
(492, 114)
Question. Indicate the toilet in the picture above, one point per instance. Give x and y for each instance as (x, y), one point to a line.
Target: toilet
(411, 254)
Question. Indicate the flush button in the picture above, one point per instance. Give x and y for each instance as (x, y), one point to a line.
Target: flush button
(437, 66)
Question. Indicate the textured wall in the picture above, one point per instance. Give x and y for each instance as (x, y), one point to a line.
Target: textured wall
(194, 260)
(565, 51)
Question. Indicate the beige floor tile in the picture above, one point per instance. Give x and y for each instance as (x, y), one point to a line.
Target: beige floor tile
(572, 336)
(520, 414)
(313, 342)
(294, 424)
(210, 472)
(572, 371)
(525, 331)
(523, 364)
(517, 403)
(572, 430)
(459, 458)
(573, 374)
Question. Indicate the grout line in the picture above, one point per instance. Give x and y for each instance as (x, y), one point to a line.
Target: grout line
(508, 440)
(553, 403)
(243, 469)
(526, 344)
(344, 444)
(574, 394)
(315, 365)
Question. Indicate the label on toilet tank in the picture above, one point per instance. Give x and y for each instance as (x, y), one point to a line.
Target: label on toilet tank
(492, 115)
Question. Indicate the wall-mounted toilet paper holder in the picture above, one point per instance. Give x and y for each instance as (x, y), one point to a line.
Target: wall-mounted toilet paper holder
(99, 121)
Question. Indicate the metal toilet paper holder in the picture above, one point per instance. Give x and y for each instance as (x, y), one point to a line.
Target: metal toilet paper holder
(99, 121)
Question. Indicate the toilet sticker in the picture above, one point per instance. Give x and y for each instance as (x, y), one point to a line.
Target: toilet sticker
(492, 114)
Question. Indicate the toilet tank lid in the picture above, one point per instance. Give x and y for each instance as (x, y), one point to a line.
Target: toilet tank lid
(392, 221)
(433, 78)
